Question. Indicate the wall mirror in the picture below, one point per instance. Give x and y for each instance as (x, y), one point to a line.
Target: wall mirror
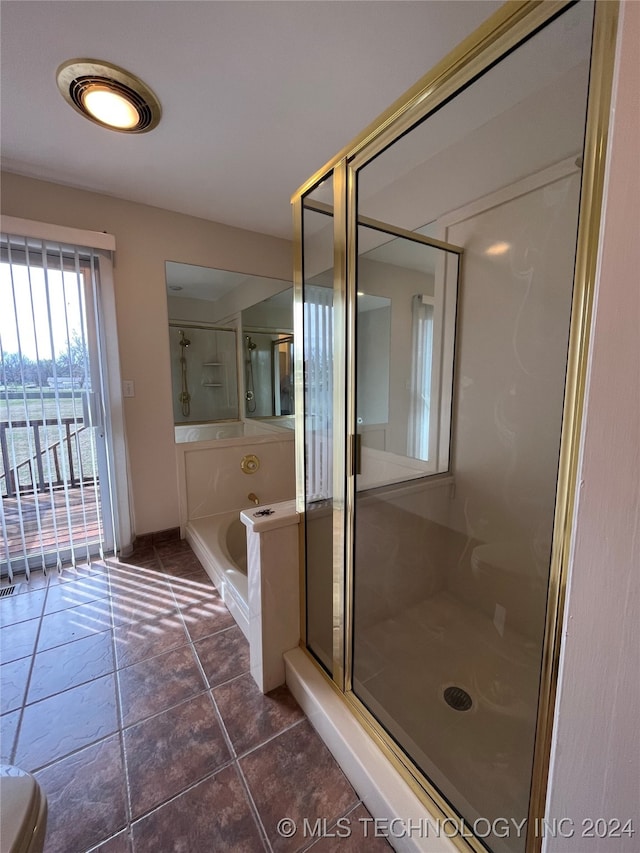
(230, 344)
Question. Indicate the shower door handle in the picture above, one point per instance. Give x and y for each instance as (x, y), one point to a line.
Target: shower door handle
(356, 454)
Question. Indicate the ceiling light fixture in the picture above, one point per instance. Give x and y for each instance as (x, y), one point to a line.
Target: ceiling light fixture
(108, 95)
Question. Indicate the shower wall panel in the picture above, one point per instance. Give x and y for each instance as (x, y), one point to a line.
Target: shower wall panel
(513, 328)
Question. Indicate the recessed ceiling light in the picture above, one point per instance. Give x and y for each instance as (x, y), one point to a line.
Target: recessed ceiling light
(108, 95)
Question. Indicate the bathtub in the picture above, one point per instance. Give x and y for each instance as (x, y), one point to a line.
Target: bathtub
(220, 543)
(215, 431)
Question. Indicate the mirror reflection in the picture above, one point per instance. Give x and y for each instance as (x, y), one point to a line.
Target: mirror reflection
(203, 373)
(231, 345)
(267, 330)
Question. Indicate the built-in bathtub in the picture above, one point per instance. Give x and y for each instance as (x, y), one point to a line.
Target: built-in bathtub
(215, 484)
(211, 477)
(220, 543)
(217, 431)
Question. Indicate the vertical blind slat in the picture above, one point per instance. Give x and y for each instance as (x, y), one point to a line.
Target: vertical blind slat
(318, 325)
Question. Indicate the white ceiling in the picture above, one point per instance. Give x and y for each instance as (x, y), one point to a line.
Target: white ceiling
(256, 94)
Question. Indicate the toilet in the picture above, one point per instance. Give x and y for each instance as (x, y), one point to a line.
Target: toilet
(23, 812)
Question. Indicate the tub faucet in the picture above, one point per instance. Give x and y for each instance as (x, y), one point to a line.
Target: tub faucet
(253, 498)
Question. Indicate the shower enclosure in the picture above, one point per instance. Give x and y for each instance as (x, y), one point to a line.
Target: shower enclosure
(444, 277)
(268, 365)
(204, 377)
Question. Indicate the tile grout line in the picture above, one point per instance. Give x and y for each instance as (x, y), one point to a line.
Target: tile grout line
(273, 737)
(334, 823)
(123, 755)
(18, 731)
(234, 762)
(254, 808)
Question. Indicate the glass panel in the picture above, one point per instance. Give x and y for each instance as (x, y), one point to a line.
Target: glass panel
(451, 571)
(405, 336)
(318, 395)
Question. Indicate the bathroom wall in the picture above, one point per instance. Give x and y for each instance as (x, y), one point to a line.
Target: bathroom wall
(146, 237)
(513, 321)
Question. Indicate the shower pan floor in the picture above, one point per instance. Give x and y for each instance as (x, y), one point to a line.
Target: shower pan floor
(479, 758)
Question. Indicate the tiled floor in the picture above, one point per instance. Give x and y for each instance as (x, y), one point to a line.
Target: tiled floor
(125, 690)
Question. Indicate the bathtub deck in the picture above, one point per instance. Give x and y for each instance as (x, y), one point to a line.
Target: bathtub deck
(203, 534)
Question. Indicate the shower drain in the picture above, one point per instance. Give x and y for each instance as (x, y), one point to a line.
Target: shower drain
(457, 698)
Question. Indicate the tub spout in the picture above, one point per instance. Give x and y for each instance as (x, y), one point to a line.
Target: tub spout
(253, 498)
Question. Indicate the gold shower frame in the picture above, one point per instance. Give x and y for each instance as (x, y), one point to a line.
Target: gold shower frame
(512, 23)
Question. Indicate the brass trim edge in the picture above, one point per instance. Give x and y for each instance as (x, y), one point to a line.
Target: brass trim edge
(493, 37)
(387, 228)
(340, 451)
(298, 385)
(351, 238)
(590, 216)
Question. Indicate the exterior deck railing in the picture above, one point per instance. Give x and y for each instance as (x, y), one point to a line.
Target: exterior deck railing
(64, 465)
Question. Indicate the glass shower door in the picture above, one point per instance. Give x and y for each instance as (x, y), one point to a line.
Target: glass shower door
(455, 482)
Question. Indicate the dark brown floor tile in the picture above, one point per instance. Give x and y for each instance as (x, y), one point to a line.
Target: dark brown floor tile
(182, 565)
(166, 537)
(149, 603)
(130, 583)
(66, 722)
(86, 797)
(70, 665)
(173, 547)
(223, 655)
(167, 753)
(249, 716)
(74, 592)
(176, 671)
(355, 833)
(120, 843)
(142, 552)
(74, 623)
(18, 641)
(141, 640)
(142, 548)
(143, 539)
(148, 563)
(192, 589)
(17, 608)
(294, 775)
(212, 816)
(8, 729)
(13, 684)
(206, 617)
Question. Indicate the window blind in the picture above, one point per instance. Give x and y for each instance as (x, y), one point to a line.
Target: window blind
(51, 406)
